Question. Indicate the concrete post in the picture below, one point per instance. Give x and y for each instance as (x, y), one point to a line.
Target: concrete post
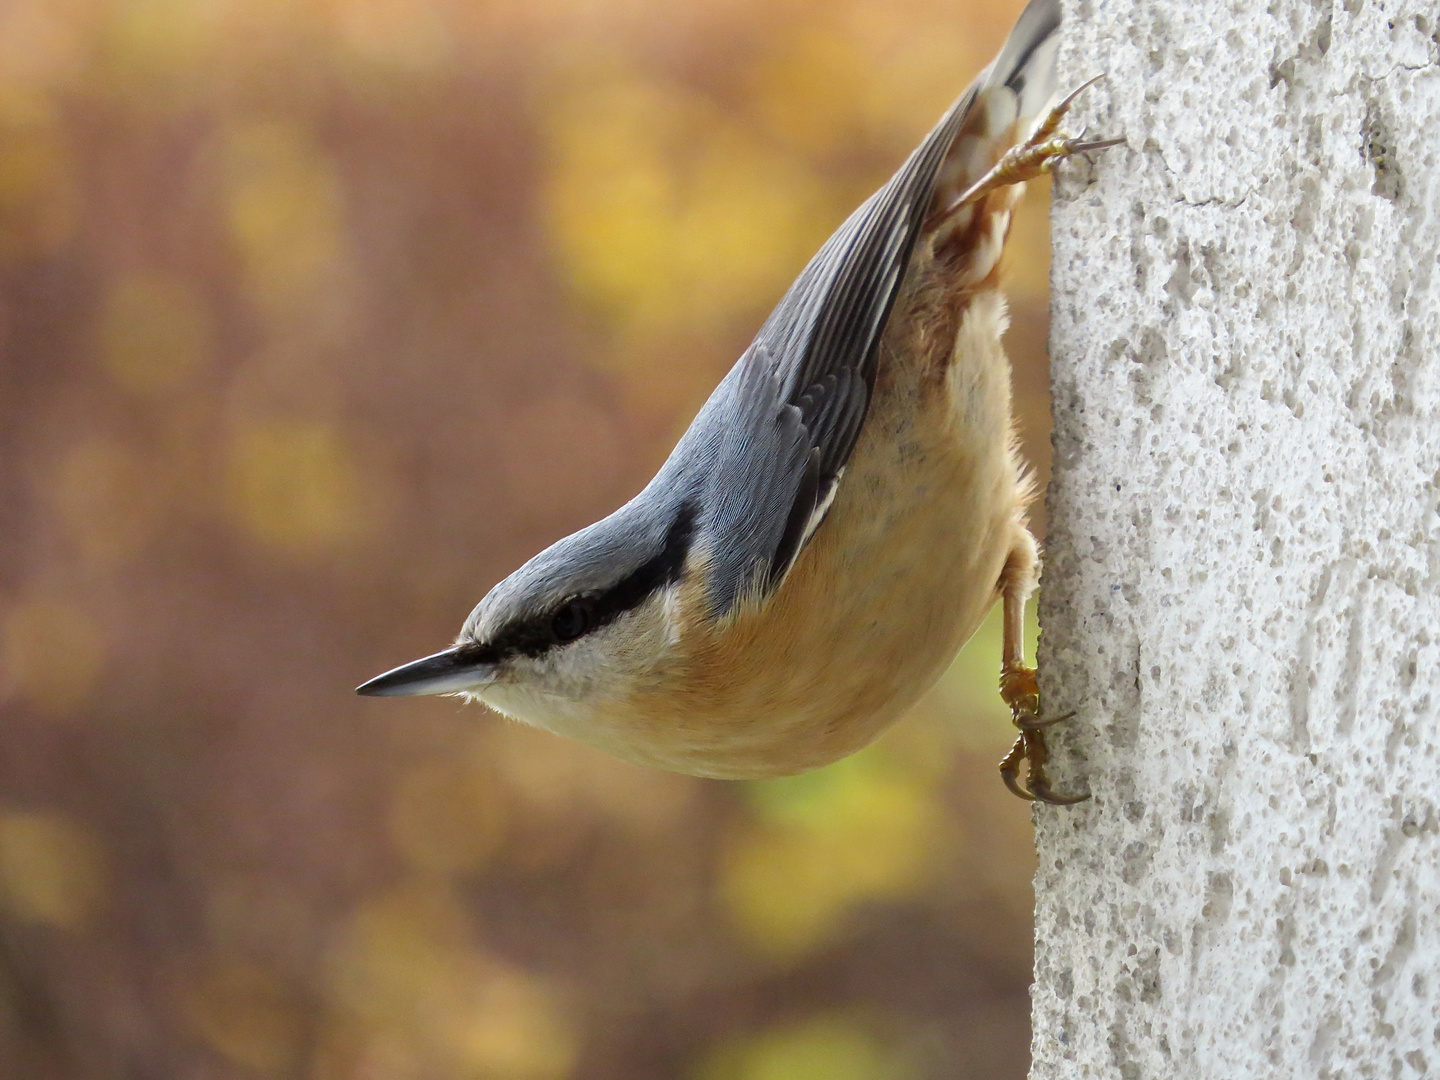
(1242, 585)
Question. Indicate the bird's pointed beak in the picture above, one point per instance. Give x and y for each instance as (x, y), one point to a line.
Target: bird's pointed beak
(448, 672)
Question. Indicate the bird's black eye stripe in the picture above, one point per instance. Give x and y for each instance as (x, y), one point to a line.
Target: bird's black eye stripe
(580, 615)
(572, 619)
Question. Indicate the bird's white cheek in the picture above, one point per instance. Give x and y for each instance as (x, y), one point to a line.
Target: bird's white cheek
(541, 706)
(555, 691)
(516, 701)
(573, 689)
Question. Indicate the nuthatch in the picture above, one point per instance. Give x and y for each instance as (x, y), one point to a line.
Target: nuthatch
(840, 515)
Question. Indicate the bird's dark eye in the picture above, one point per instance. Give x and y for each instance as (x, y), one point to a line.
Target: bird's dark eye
(572, 620)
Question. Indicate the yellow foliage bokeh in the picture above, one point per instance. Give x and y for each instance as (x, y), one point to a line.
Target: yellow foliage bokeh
(247, 1013)
(154, 332)
(409, 966)
(293, 485)
(821, 843)
(40, 196)
(832, 1046)
(283, 206)
(52, 869)
(666, 214)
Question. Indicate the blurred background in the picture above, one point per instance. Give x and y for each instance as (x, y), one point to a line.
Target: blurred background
(317, 317)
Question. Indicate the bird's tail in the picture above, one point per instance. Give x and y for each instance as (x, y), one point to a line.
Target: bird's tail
(1003, 106)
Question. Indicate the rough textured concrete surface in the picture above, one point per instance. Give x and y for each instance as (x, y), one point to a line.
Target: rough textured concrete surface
(1242, 587)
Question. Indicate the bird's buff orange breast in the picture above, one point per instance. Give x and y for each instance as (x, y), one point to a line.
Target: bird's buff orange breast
(893, 582)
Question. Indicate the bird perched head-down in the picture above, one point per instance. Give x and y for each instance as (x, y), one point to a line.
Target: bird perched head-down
(838, 518)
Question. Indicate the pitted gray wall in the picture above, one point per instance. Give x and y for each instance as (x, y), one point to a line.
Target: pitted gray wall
(1242, 586)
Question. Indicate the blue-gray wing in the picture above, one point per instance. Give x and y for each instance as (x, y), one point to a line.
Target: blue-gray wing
(786, 419)
(797, 399)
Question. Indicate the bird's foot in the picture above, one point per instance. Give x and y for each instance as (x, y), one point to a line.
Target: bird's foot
(1019, 690)
(1039, 153)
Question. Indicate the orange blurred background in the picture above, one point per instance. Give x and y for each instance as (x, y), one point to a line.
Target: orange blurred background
(316, 319)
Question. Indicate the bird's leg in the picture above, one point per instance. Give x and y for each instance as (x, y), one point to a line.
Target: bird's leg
(1019, 690)
(1024, 161)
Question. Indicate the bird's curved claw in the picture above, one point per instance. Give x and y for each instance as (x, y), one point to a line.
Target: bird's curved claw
(1031, 722)
(1020, 691)
(1039, 152)
(1030, 748)
(1040, 792)
(1010, 773)
(1080, 146)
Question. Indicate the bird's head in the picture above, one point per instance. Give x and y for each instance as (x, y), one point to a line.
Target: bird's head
(579, 623)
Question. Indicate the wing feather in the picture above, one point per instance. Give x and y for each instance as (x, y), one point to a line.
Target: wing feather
(796, 402)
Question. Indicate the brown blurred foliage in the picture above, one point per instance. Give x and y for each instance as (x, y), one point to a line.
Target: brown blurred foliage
(316, 319)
